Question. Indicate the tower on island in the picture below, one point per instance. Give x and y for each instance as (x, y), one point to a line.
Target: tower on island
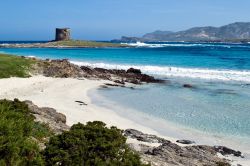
(62, 34)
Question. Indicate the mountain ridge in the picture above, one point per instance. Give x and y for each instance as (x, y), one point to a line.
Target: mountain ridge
(238, 31)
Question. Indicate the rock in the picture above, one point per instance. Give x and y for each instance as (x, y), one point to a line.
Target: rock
(87, 69)
(185, 141)
(81, 102)
(148, 79)
(134, 81)
(134, 71)
(102, 70)
(60, 68)
(65, 69)
(103, 86)
(119, 82)
(115, 85)
(188, 86)
(170, 154)
(55, 120)
(143, 137)
(227, 151)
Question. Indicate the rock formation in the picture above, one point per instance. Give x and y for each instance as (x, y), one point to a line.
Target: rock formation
(55, 120)
(161, 152)
(64, 69)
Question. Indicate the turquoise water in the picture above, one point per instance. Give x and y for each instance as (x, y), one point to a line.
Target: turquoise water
(219, 103)
(179, 55)
(218, 108)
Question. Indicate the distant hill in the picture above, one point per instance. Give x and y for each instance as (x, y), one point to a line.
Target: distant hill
(239, 31)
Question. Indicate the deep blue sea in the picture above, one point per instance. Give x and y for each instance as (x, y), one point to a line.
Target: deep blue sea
(219, 103)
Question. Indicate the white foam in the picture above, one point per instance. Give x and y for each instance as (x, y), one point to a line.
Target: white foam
(157, 45)
(4, 44)
(30, 56)
(208, 74)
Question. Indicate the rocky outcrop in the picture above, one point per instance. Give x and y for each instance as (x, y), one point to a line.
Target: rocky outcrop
(184, 141)
(56, 121)
(171, 154)
(135, 134)
(227, 151)
(64, 69)
(58, 68)
(188, 86)
(133, 76)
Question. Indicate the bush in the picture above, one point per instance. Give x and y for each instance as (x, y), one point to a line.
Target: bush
(17, 134)
(91, 144)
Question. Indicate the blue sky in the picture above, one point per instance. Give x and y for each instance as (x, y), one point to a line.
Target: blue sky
(109, 19)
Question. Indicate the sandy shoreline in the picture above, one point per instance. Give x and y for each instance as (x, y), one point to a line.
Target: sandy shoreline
(61, 94)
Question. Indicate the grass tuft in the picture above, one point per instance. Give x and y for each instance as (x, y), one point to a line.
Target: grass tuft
(14, 66)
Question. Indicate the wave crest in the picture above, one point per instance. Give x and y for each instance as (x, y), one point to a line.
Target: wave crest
(160, 45)
(168, 71)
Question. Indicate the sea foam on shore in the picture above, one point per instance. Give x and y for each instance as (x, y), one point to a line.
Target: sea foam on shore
(169, 71)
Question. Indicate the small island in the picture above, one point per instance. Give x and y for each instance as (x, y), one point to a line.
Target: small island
(63, 40)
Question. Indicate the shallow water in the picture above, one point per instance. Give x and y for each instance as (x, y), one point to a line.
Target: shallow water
(218, 108)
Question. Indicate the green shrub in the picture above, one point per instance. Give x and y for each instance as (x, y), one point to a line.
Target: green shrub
(91, 144)
(14, 66)
(17, 133)
(222, 164)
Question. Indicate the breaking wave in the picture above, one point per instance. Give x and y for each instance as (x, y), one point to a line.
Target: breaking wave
(159, 45)
(168, 71)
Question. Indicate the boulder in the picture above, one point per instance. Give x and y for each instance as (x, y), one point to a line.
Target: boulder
(227, 151)
(134, 71)
(119, 82)
(188, 86)
(184, 141)
(55, 120)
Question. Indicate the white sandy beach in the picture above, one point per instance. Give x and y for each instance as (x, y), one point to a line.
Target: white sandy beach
(61, 94)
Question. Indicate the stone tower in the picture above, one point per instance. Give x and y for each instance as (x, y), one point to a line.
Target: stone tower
(62, 34)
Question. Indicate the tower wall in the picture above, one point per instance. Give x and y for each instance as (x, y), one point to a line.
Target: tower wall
(62, 34)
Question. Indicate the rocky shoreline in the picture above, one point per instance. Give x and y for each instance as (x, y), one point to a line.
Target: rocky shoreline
(167, 153)
(65, 69)
(151, 148)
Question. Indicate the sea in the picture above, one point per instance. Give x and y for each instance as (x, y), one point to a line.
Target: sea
(217, 106)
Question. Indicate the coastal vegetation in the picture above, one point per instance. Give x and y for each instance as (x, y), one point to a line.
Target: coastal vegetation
(19, 134)
(90, 144)
(66, 44)
(83, 43)
(14, 66)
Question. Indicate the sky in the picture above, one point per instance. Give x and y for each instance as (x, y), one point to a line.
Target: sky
(110, 19)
